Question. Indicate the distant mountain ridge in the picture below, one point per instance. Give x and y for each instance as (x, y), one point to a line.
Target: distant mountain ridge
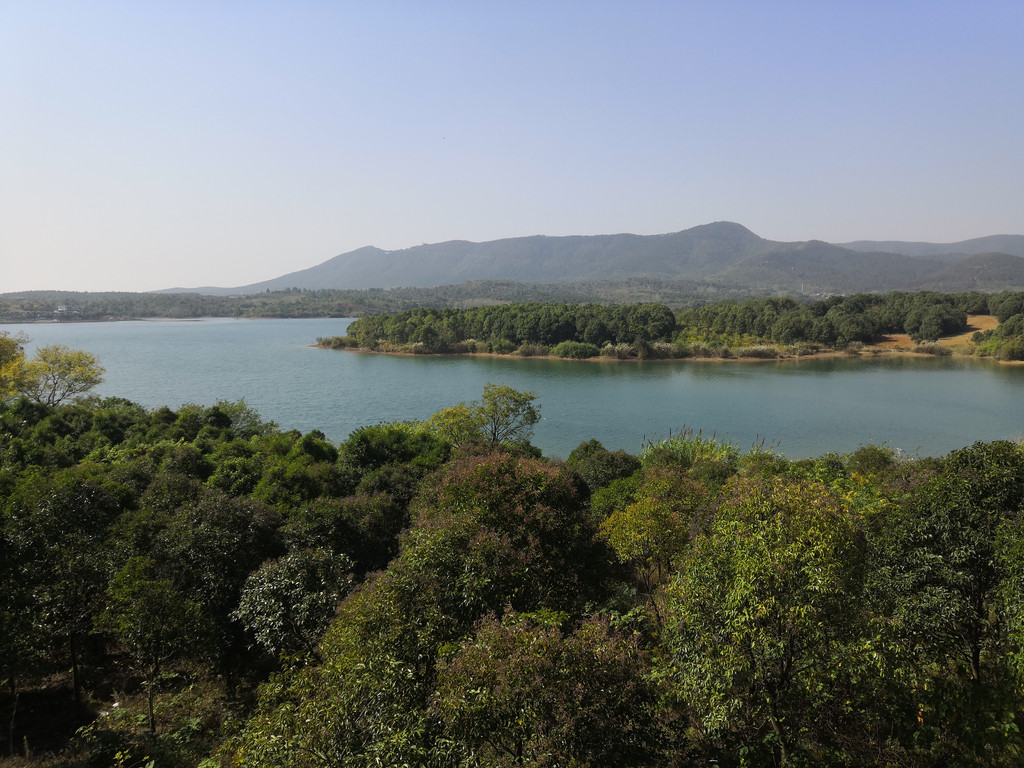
(723, 253)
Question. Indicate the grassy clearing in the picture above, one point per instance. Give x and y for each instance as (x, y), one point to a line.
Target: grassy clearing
(974, 323)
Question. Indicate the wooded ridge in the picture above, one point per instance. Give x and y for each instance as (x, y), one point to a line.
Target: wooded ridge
(723, 254)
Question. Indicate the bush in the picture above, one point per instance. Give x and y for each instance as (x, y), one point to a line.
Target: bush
(618, 351)
(871, 459)
(1012, 349)
(702, 350)
(575, 350)
(762, 351)
(661, 350)
(688, 448)
(598, 467)
(532, 350)
(933, 348)
(681, 349)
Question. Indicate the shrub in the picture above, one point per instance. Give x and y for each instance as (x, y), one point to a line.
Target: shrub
(532, 350)
(618, 351)
(871, 459)
(681, 349)
(702, 350)
(933, 348)
(1012, 349)
(575, 350)
(688, 448)
(762, 351)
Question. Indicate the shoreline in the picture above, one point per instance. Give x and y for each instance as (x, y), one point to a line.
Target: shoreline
(867, 352)
(893, 345)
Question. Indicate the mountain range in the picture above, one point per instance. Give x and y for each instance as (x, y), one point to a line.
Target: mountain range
(723, 254)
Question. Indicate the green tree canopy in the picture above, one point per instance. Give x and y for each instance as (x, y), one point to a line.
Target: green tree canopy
(153, 621)
(762, 620)
(12, 360)
(56, 374)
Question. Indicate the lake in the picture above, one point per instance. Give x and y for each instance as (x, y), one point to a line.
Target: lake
(919, 405)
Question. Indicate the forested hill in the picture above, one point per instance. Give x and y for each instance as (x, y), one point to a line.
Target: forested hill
(725, 255)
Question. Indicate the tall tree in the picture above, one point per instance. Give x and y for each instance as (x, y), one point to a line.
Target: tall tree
(152, 620)
(523, 692)
(763, 621)
(288, 603)
(56, 374)
(12, 359)
(946, 569)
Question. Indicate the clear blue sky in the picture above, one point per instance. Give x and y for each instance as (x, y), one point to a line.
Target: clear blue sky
(145, 144)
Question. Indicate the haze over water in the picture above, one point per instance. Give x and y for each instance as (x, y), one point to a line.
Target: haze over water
(924, 406)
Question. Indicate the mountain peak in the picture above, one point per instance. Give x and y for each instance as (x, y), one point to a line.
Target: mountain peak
(721, 252)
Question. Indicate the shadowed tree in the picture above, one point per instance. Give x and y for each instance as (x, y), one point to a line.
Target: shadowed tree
(152, 620)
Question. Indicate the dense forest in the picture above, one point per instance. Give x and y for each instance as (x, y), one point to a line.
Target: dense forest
(600, 318)
(199, 587)
(761, 327)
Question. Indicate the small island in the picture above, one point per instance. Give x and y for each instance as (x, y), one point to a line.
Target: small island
(984, 325)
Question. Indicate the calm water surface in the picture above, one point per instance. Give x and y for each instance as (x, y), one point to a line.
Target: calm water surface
(922, 406)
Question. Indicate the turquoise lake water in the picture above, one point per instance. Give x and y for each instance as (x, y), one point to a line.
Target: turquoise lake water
(922, 406)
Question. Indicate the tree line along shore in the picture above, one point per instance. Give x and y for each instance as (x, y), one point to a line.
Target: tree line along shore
(752, 328)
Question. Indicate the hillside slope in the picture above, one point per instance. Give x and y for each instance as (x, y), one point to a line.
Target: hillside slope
(723, 254)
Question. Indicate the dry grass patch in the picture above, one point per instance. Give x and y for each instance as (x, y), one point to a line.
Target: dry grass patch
(974, 323)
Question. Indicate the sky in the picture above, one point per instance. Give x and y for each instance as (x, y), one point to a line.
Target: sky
(149, 144)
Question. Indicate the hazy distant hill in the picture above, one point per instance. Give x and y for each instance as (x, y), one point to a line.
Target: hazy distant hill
(1011, 244)
(984, 272)
(722, 253)
(816, 267)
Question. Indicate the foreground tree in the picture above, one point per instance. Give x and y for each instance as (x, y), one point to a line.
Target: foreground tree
(509, 415)
(947, 570)
(652, 532)
(12, 359)
(503, 416)
(523, 692)
(56, 374)
(491, 531)
(61, 527)
(288, 603)
(152, 620)
(763, 624)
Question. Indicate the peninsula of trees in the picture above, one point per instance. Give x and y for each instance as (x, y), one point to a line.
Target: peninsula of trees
(762, 327)
(198, 587)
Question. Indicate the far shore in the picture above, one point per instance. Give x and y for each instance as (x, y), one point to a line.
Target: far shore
(889, 346)
(867, 351)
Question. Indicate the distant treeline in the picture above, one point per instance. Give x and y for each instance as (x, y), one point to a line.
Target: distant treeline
(38, 306)
(508, 327)
(35, 306)
(652, 330)
(838, 320)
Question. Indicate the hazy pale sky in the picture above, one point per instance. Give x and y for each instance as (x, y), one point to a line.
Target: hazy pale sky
(146, 144)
